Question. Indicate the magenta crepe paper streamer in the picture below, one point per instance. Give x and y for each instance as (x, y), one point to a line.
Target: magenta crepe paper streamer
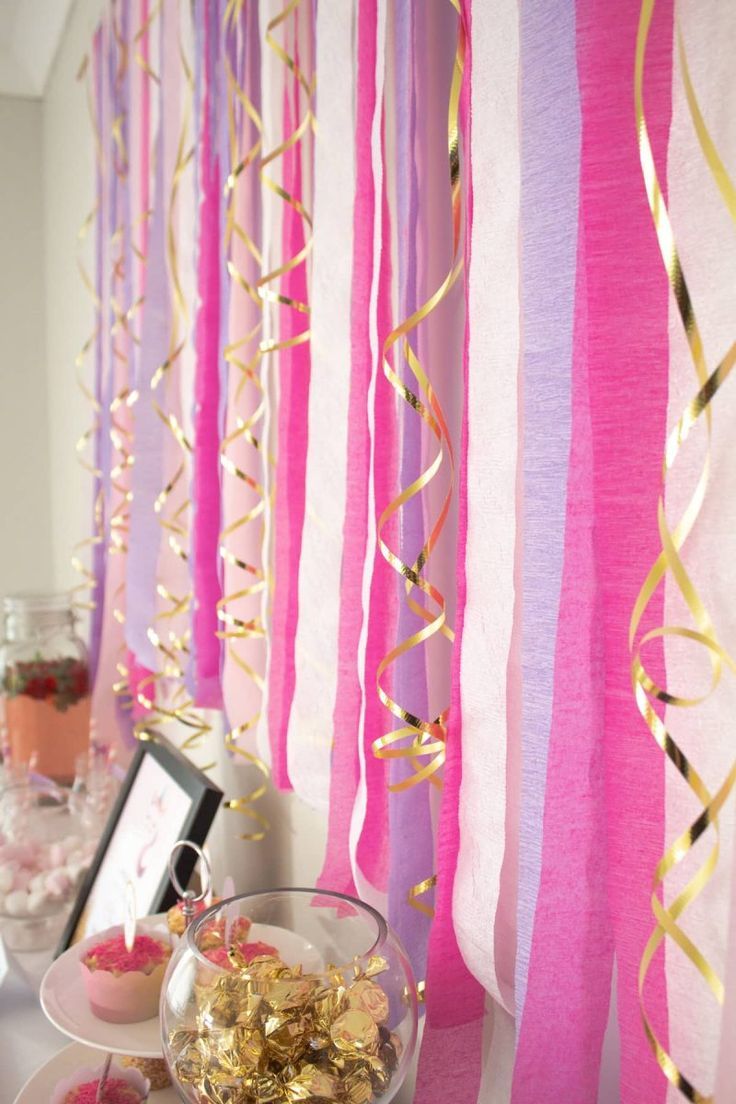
(550, 158)
(628, 362)
(291, 462)
(569, 980)
(451, 1052)
(206, 489)
(345, 773)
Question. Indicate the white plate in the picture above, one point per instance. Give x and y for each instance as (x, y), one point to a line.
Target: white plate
(64, 1000)
(38, 1088)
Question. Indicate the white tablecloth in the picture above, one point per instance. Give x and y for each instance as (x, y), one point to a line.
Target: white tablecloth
(28, 1039)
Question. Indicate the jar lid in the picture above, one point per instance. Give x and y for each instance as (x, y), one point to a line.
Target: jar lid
(34, 611)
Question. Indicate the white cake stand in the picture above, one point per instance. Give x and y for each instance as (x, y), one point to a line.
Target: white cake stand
(64, 1002)
(38, 1088)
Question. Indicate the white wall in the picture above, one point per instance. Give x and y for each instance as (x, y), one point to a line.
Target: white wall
(25, 562)
(68, 187)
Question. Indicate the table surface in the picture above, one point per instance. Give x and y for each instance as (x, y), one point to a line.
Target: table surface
(28, 1038)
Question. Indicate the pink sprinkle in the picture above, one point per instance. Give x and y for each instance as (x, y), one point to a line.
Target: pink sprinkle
(111, 955)
(117, 1091)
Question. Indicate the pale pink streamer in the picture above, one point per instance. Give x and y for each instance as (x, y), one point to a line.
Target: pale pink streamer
(310, 737)
(337, 870)
(368, 828)
(242, 692)
(492, 500)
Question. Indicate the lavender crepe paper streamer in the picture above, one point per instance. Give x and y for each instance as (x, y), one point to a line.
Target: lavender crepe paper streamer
(145, 530)
(99, 557)
(550, 161)
(410, 826)
(124, 714)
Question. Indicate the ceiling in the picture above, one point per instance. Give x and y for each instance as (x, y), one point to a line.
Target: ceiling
(29, 34)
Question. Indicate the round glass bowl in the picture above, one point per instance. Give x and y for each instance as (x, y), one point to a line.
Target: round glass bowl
(44, 854)
(285, 996)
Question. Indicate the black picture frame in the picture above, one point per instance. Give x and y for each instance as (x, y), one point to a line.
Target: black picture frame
(205, 801)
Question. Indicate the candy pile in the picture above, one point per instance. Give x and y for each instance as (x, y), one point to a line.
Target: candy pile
(267, 1032)
(36, 878)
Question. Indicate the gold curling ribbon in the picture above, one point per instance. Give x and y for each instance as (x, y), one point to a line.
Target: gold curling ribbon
(84, 596)
(123, 337)
(268, 285)
(243, 357)
(426, 748)
(164, 694)
(646, 690)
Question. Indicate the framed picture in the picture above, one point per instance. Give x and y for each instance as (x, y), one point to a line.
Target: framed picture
(163, 798)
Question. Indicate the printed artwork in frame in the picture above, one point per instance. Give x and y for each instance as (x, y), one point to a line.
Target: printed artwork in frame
(163, 798)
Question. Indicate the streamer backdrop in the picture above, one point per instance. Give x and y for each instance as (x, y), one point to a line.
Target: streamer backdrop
(409, 426)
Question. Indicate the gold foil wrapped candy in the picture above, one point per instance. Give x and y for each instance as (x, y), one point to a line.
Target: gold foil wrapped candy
(266, 1032)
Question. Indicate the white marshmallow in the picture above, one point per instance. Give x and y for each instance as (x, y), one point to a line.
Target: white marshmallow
(7, 875)
(16, 903)
(37, 902)
(58, 884)
(57, 854)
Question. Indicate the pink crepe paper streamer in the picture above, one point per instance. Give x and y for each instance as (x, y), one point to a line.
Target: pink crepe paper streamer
(337, 870)
(294, 371)
(206, 489)
(628, 364)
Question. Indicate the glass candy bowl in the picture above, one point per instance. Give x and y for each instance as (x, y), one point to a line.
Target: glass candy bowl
(292, 995)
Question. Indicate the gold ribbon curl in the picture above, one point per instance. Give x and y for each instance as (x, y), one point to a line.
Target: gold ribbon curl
(84, 592)
(243, 357)
(267, 288)
(172, 504)
(426, 749)
(669, 562)
(123, 337)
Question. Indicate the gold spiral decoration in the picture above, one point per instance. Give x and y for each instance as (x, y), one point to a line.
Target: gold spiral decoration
(244, 427)
(669, 564)
(426, 748)
(122, 336)
(164, 694)
(268, 285)
(83, 592)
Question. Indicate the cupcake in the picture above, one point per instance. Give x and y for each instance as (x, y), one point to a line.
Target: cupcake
(123, 1086)
(212, 934)
(124, 986)
(248, 951)
(175, 915)
(154, 1070)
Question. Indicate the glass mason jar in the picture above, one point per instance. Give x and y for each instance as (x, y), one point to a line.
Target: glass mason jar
(44, 684)
(290, 995)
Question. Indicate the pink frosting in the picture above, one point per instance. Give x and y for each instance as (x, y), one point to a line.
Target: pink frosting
(112, 955)
(117, 1091)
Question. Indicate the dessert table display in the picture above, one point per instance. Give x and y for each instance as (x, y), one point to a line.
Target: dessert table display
(283, 996)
